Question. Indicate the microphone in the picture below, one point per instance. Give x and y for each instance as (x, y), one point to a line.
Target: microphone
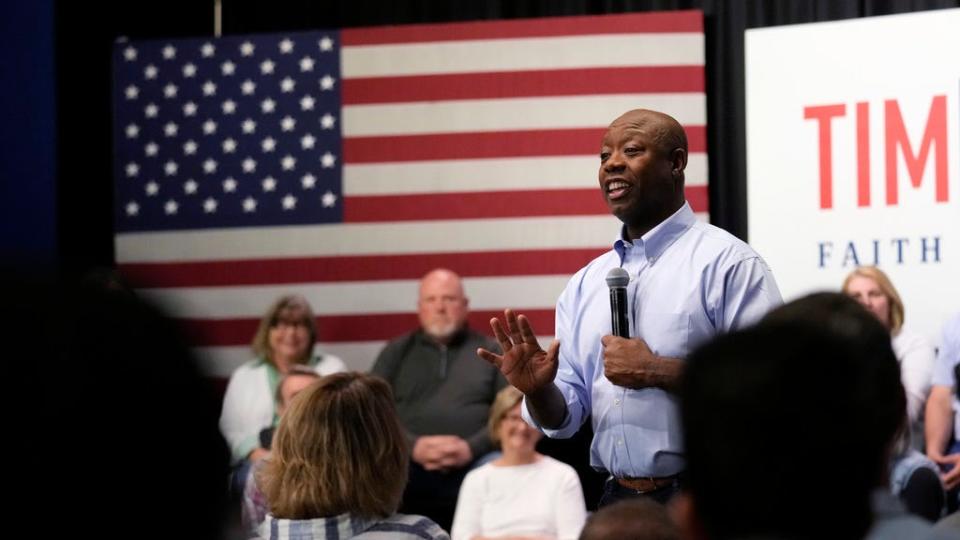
(617, 280)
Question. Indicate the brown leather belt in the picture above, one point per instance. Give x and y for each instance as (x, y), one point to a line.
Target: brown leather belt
(648, 483)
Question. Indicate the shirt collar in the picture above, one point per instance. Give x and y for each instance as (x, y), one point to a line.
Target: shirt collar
(659, 238)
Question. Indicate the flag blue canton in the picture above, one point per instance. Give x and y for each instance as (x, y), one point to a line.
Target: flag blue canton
(227, 132)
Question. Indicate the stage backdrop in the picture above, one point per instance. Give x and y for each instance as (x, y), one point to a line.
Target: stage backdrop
(853, 137)
(343, 165)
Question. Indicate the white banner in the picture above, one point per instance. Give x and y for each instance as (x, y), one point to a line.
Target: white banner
(853, 156)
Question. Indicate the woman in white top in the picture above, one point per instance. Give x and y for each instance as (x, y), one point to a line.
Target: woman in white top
(523, 494)
(285, 337)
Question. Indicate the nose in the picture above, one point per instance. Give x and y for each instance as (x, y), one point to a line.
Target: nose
(614, 162)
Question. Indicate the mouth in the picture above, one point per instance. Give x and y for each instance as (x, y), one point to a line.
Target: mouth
(616, 189)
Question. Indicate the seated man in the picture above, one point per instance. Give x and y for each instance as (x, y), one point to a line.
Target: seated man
(942, 422)
(789, 429)
(443, 395)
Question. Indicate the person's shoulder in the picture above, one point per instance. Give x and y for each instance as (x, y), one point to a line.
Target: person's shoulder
(721, 240)
(249, 368)
(556, 465)
(405, 526)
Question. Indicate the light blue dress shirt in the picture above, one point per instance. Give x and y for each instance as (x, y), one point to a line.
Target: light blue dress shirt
(689, 281)
(947, 358)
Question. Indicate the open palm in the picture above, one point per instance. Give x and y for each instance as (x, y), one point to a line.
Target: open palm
(523, 363)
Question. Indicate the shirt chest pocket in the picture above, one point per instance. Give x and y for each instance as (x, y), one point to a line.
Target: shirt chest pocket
(667, 334)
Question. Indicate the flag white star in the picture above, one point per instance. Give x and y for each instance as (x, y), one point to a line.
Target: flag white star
(307, 141)
(246, 48)
(132, 169)
(306, 103)
(170, 91)
(326, 44)
(132, 92)
(229, 145)
(169, 52)
(249, 126)
(327, 121)
(249, 165)
(306, 64)
(151, 149)
(249, 204)
(132, 131)
(150, 72)
(248, 87)
(189, 148)
(207, 50)
(286, 85)
(266, 67)
(326, 83)
(229, 106)
(210, 205)
(308, 181)
(170, 129)
(170, 168)
(209, 88)
(129, 54)
(288, 123)
(269, 184)
(288, 162)
(286, 46)
(152, 188)
(190, 186)
(289, 202)
(229, 185)
(133, 208)
(209, 166)
(209, 127)
(328, 160)
(228, 68)
(189, 108)
(189, 70)
(268, 144)
(150, 111)
(328, 199)
(268, 105)
(171, 207)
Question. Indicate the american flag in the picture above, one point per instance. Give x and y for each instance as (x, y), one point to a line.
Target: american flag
(343, 165)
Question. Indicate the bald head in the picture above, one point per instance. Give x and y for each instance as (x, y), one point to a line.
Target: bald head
(663, 129)
(442, 304)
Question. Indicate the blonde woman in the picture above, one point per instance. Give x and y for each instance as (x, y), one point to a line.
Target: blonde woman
(523, 494)
(339, 466)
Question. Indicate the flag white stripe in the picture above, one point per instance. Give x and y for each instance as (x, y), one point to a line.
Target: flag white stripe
(509, 114)
(519, 54)
(473, 175)
(352, 298)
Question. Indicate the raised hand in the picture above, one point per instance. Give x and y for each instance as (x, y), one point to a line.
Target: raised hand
(523, 363)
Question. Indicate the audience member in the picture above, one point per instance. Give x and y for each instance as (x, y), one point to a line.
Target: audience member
(631, 519)
(942, 421)
(338, 466)
(522, 494)
(689, 281)
(443, 395)
(254, 507)
(285, 337)
(811, 393)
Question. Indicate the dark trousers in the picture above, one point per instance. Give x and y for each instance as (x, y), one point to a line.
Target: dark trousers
(432, 494)
(613, 492)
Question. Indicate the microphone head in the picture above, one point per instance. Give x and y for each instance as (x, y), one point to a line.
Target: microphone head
(617, 277)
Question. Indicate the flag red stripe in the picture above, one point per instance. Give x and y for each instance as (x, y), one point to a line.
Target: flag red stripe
(346, 328)
(561, 82)
(632, 23)
(495, 144)
(488, 204)
(354, 268)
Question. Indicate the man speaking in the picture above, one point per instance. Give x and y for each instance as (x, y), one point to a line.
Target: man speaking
(686, 282)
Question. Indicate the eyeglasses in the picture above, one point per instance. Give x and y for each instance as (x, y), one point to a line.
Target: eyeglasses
(288, 323)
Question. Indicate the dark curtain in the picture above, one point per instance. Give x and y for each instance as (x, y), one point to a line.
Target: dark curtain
(85, 32)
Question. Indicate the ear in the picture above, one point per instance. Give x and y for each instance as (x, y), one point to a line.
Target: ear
(678, 162)
(682, 510)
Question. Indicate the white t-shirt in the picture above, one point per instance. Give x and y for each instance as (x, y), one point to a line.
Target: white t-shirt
(543, 498)
(916, 357)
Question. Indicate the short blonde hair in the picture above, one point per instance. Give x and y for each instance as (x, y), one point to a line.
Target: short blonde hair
(339, 449)
(896, 314)
(506, 399)
(286, 308)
